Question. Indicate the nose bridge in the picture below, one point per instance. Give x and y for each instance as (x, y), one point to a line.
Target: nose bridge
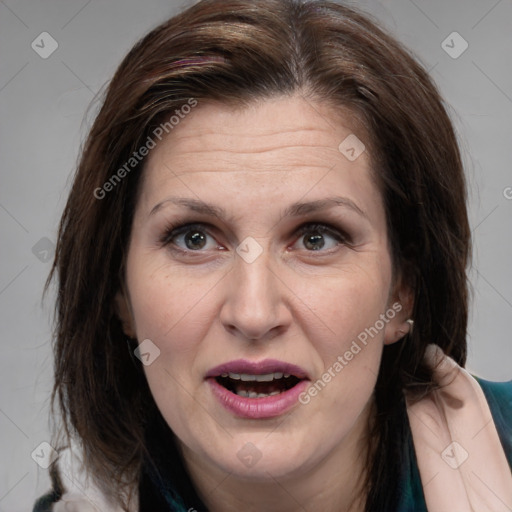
(254, 305)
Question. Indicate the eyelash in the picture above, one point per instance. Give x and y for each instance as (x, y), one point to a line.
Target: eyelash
(178, 229)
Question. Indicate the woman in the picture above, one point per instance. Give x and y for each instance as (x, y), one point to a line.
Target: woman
(271, 209)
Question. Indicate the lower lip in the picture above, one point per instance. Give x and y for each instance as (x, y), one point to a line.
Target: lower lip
(257, 408)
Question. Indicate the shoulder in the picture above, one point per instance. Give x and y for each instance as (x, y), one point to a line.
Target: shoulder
(73, 490)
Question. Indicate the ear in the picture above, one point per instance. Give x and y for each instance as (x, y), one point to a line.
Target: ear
(402, 303)
(124, 313)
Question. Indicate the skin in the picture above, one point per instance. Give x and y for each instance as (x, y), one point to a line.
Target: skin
(205, 306)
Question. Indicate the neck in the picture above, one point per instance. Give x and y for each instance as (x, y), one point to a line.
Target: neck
(335, 484)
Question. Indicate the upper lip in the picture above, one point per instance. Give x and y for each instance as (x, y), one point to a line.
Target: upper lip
(263, 367)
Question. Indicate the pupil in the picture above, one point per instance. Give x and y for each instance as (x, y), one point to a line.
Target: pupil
(195, 239)
(317, 238)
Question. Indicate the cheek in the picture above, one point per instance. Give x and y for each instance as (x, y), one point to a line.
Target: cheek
(347, 334)
(173, 311)
(170, 307)
(344, 306)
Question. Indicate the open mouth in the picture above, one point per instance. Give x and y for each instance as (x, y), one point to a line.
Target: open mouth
(257, 386)
(257, 389)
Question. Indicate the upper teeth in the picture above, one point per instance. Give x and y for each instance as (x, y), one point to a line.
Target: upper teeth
(267, 377)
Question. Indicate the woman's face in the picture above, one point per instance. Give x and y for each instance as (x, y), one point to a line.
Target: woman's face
(283, 269)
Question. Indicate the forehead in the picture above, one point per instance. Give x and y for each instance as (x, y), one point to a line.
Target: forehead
(290, 123)
(286, 142)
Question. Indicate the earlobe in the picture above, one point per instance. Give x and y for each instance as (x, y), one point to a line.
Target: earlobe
(404, 329)
(124, 314)
(397, 332)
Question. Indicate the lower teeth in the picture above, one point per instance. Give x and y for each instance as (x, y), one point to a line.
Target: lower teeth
(253, 394)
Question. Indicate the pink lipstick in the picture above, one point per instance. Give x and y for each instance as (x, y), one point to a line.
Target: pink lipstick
(257, 390)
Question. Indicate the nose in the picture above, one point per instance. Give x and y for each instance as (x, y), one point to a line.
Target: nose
(256, 305)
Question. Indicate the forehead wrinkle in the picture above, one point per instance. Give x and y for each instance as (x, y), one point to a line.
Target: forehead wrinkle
(279, 170)
(222, 142)
(254, 151)
(318, 155)
(204, 130)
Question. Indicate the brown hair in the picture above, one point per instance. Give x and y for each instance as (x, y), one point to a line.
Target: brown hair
(236, 52)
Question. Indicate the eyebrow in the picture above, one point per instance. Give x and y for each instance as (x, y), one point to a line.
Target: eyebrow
(294, 210)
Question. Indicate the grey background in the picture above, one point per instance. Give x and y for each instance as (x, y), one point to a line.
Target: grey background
(42, 107)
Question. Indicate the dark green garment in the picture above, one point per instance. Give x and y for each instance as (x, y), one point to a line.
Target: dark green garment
(499, 398)
(167, 488)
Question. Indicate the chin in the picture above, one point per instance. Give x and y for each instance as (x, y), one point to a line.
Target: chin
(264, 456)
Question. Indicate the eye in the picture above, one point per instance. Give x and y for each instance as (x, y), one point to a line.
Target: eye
(315, 237)
(188, 237)
(193, 237)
